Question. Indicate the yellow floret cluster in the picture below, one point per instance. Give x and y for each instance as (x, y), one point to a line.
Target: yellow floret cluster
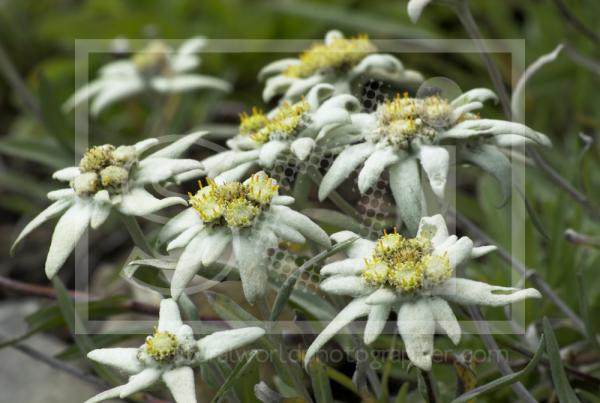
(405, 264)
(161, 345)
(287, 121)
(234, 204)
(153, 59)
(404, 119)
(104, 167)
(339, 55)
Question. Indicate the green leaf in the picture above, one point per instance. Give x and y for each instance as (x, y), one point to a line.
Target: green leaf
(402, 396)
(288, 286)
(505, 380)
(234, 376)
(334, 218)
(320, 382)
(563, 388)
(39, 151)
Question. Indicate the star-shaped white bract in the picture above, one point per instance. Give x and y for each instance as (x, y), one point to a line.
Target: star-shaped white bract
(319, 120)
(110, 178)
(414, 278)
(406, 134)
(156, 68)
(415, 8)
(247, 219)
(341, 62)
(169, 355)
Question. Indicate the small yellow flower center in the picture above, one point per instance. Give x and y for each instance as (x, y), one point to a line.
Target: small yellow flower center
(283, 125)
(404, 119)
(233, 203)
(153, 59)
(161, 345)
(339, 55)
(104, 167)
(405, 264)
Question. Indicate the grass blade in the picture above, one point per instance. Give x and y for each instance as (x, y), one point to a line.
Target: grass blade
(320, 382)
(505, 380)
(234, 376)
(563, 388)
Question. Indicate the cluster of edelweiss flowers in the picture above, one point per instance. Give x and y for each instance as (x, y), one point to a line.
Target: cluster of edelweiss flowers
(238, 212)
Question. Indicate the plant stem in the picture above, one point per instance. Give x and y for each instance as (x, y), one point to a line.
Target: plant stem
(485, 333)
(137, 235)
(463, 12)
(532, 275)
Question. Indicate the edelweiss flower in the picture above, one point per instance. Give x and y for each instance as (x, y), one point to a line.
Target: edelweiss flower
(413, 277)
(169, 356)
(338, 61)
(109, 178)
(405, 130)
(415, 9)
(321, 119)
(156, 68)
(250, 216)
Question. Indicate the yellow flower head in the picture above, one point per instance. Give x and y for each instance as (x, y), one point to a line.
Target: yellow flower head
(233, 204)
(104, 167)
(340, 54)
(153, 58)
(404, 119)
(251, 124)
(96, 158)
(405, 264)
(161, 345)
(284, 124)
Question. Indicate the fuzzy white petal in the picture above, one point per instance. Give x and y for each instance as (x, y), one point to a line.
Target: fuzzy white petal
(469, 292)
(50, 212)
(360, 248)
(144, 145)
(139, 202)
(302, 147)
(188, 82)
(417, 327)
(180, 382)
(383, 296)
(175, 149)
(434, 228)
(475, 95)
(159, 169)
(415, 9)
(66, 174)
(276, 85)
(353, 310)
(276, 67)
(237, 173)
(107, 394)
(83, 94)
(101, 209)
(346, 285)
(301, 86)
(270, 151)
(318, 94)
(459, 251)
(301, 223)
(219, 240)
(178, 224)
(188, 264)
(227, 160)
(435, 162)
(253, 273)
(376, 322)
(169, 317)
(283, 200)
(445, 318)
(60, 194)
(68, 231)
(343, 166)
(345, 267)
(124, 359)
(405, 182)
(114, 91)
(140, 381)
(227, 340)
(288, 233)
(479, 251)
(374, 167)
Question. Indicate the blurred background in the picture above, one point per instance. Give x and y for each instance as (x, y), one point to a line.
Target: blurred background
(37, 40)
